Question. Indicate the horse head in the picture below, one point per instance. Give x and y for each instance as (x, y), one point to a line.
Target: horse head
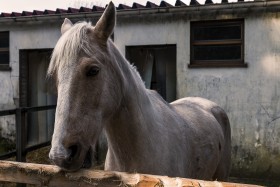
(87, 87)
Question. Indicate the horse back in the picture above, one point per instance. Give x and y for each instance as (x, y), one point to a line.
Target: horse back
(210, 136)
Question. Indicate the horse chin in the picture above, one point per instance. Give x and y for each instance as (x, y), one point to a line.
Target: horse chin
(75, 165)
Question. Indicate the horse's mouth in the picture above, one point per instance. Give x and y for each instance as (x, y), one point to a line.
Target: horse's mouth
(87, 162)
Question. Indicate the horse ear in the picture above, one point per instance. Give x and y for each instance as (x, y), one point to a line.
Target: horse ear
(105, 25)
(66, 25)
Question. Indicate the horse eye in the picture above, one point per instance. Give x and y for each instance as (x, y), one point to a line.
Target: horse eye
(92, 71)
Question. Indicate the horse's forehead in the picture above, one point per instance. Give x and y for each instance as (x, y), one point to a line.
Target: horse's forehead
(80, 41)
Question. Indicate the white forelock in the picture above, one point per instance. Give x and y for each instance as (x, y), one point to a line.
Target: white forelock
(69, 45)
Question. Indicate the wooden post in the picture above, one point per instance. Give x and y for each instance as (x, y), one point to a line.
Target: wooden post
(48, 175)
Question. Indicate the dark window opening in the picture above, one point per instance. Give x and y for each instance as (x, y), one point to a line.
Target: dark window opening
(157, 67)
(4, 57)
(4, 51)
(217, 44)
(217, 52)
(35, 90)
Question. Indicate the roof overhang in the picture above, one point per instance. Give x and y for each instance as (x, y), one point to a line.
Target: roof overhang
(238, 8)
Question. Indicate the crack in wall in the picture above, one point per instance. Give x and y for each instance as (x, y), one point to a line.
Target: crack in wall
(271, 118)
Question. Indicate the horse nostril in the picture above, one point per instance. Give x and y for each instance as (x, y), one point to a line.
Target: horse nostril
(73, 152)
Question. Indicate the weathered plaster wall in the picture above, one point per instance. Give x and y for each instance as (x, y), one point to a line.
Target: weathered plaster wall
(7, 88)
(250, 96)
(22, 36)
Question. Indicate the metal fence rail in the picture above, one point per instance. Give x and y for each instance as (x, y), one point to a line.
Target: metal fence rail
(21, 131)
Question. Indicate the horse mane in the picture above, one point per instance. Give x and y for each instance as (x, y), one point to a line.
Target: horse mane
(127, 70)
(68, 47)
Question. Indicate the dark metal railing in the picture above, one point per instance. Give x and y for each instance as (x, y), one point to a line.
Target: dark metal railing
(21, 132)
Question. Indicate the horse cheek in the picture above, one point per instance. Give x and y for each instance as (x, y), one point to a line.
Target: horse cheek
(112, 98)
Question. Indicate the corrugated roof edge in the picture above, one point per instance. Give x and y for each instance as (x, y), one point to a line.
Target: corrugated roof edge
(97, 8)
(149, 6)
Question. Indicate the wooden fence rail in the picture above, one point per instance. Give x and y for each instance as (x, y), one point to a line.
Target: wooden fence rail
(49, 175)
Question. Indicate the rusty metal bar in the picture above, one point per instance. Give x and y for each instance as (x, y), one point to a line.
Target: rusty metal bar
(38, 108)
(8, 112)
(19, 136)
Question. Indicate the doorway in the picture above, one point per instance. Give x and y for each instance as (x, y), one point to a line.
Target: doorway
(157, 67)
(34, 91)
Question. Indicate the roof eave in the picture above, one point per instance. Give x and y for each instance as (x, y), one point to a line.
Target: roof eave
(237, 6)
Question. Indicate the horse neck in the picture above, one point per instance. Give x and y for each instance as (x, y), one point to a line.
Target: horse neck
(133, 89)
(135, 118)
(128, 132)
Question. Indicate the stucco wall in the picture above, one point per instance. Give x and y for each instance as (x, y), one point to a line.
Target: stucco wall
(8, 89)
(22, 36)
(250, 96)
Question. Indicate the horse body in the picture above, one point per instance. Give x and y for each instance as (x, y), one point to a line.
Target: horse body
(183, 139)
(210, 136)
(98, 89)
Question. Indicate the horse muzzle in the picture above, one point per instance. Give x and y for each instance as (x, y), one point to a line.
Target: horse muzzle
(71, 159)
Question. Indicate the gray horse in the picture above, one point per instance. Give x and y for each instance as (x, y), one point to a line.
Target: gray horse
(98, 89)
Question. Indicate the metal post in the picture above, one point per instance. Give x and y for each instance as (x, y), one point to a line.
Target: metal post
(20, 156)
(20, 147)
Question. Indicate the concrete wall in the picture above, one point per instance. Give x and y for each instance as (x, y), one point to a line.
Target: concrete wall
(22, 36)
(250, 96)
(7, 85)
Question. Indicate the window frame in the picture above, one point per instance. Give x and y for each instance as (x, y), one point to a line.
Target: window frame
(216, 63)
(6, 66)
